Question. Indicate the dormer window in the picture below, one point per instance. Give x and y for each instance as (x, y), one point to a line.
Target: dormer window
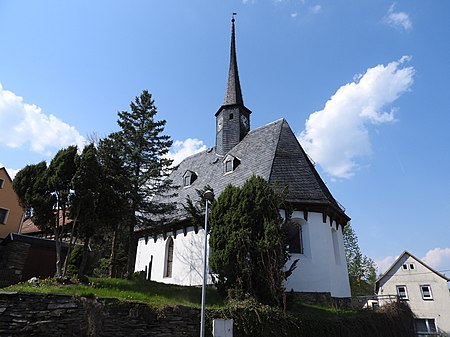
(230, 163)
(188, 178)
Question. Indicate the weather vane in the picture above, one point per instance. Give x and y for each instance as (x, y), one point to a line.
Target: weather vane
(233, 16)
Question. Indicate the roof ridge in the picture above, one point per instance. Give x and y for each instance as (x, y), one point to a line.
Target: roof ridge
(282, 120)
(267, 125)
(415, 258)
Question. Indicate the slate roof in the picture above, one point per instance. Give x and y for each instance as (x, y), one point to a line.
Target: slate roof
(233, 94)
(272, 152)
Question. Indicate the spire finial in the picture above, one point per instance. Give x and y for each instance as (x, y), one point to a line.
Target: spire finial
(232, 16)
(233, 94)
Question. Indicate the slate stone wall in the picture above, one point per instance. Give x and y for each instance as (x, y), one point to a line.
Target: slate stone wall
(12, 261)
(29, 314)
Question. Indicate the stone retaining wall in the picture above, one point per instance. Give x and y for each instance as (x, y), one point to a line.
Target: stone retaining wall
(30, 314)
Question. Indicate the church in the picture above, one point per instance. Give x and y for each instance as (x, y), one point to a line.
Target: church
(172, 251)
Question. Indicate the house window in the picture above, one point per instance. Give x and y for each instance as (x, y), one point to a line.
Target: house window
(169, 258)
(402, 293)
(294, 237)
(426, 292)
(412, 266)
(3, 215)
(231, 116)
(405, 266)
(425, 325)
(1, 183)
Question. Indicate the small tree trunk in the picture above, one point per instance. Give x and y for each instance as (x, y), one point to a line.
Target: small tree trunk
(58, 251)
(112, 258)
(69, 250)
(131, 251)
(84, 259)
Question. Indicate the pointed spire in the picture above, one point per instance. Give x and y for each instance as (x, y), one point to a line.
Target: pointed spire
(233, 94)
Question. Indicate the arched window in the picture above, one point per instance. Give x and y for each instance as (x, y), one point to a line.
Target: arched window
(169, 258)
(294, 236)
(337, 254)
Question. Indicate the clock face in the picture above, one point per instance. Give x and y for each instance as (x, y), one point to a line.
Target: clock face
(244, 121)
(219, 123)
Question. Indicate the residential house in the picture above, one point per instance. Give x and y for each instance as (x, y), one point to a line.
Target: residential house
(10, 211)
(423, 288)
(171, 251)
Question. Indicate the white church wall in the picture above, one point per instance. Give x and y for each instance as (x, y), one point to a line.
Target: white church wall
(187, 264)
(317, 270)
(340, 284)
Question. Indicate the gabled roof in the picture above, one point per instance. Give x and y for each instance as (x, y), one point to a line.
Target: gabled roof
(391, 270)
(6, 173)
(271, 152)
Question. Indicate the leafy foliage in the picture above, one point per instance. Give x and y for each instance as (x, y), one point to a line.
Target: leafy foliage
(46, 194)
(361, 269)
(248, 250)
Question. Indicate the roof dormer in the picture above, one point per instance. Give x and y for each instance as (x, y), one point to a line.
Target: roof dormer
(230, 163)
(189, 177)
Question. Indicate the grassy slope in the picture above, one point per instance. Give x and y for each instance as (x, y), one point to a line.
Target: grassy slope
(128, 290)
(155, 293)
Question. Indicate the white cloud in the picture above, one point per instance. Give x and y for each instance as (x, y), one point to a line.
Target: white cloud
(315, 9)
(183, 149)
(399, 20)
(28, 126)
(384, 264)
(294, 15)
(437, 258)
(338, 136)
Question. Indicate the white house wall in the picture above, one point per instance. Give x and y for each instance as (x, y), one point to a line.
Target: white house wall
(437, 308)
(317, 269)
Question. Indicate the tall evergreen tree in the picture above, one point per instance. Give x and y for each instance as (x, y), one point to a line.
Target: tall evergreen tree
(248, 248)
(143, 147)
(115, 202)
(86, 199)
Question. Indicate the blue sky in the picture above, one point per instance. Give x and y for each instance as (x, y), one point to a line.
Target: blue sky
(362, 83)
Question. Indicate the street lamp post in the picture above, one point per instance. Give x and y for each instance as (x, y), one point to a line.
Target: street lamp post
(208, 195)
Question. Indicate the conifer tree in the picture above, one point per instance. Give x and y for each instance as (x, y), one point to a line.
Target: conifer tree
(248, 248)
(86, 199)
(143, 147)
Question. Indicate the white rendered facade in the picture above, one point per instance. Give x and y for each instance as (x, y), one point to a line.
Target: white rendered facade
(425, 290)
(321, 267)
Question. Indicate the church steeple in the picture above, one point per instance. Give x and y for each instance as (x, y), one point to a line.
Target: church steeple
(234, 93)
(233, 118)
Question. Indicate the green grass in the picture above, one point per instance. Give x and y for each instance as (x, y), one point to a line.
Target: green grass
(128, 290)
(158, 294)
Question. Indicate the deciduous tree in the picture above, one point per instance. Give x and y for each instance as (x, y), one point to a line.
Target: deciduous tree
(361, 269)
